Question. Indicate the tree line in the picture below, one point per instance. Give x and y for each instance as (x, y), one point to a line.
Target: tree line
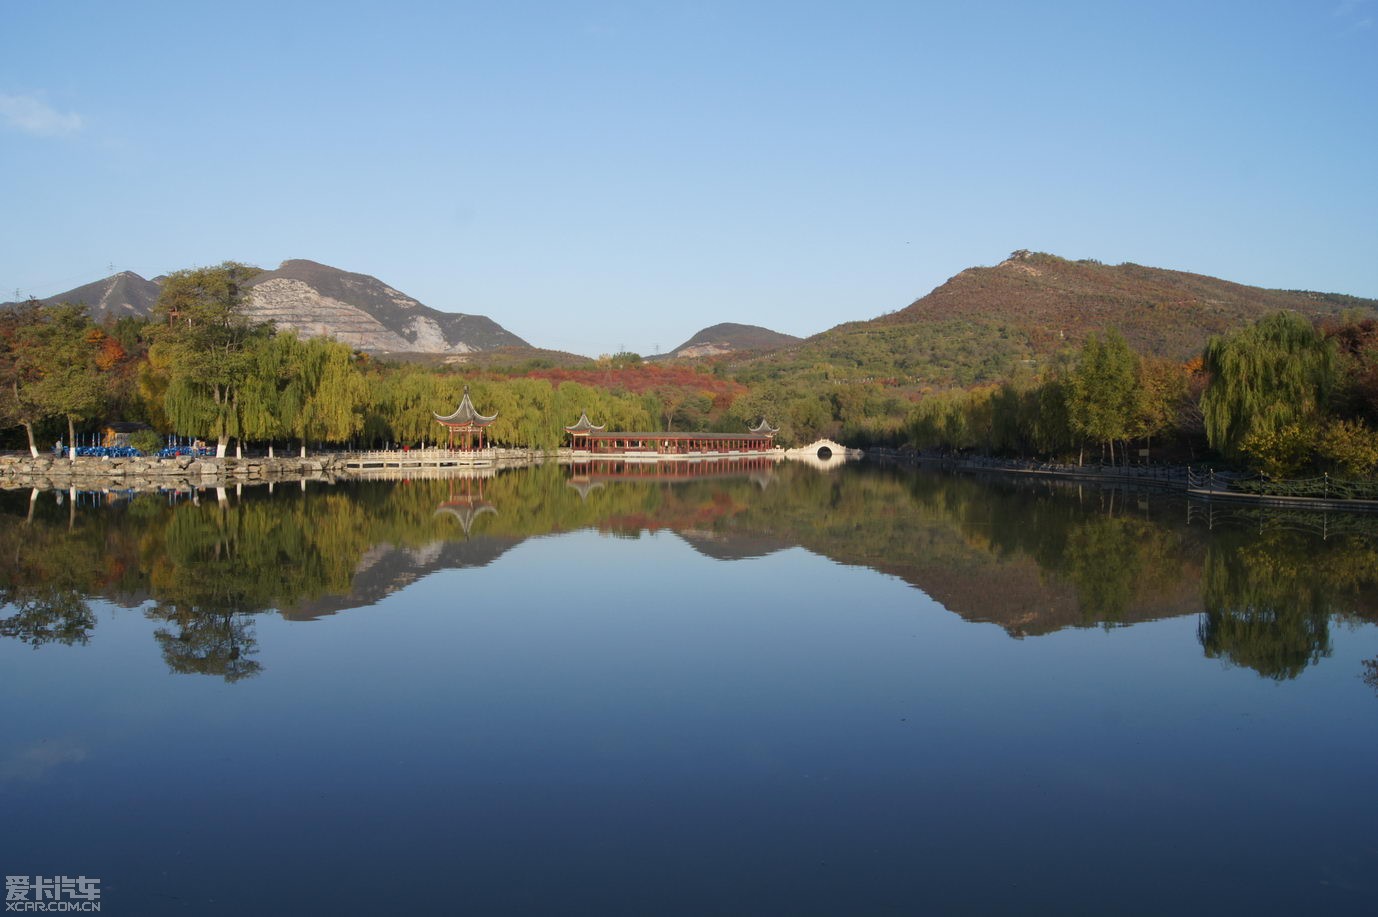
(1280, 395)
(203, 368)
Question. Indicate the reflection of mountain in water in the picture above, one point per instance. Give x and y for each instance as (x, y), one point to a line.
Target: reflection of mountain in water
(1031, 557)
(732, 545)
(385, 569)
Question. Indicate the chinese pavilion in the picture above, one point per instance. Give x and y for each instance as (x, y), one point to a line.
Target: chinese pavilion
(579, 433)
(466, 420)
(764, 429)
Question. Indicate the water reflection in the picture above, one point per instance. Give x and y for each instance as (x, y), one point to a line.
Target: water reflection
(1032, 558)
(466, 505)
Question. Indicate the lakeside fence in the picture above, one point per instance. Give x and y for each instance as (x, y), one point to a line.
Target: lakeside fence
(1201, 483)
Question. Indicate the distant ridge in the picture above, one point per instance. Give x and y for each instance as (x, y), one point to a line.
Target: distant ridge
(1159, 311)
(730, 337)
(116, 296)
(316, 300)
(984, 322)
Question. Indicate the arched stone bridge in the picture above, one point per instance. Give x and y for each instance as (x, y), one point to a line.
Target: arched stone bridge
(823, 454)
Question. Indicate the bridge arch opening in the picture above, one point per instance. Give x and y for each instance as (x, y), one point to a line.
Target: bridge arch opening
(825, 453)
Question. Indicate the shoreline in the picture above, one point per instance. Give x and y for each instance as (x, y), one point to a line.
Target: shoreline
(1169, 478)
(48, 472)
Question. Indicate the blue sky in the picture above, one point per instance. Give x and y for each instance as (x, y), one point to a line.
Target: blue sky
(595, 175)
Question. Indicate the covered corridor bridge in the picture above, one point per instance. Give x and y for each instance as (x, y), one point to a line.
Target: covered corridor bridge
(588, 437)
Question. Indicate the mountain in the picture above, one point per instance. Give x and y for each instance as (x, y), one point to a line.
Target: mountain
(316, 300)
(117, 296)
(730, 337)
(983, 322)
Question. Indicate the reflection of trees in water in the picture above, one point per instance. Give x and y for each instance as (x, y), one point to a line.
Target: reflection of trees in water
(48, 566)
(1370, 675)
(1111, 561)
(208, 642)
(1269, 598)
(1267, 594)
(1119, 563)
(48, 616)
(214, 566)
(1032, 557)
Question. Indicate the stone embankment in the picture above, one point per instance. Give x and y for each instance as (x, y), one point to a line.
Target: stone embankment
(86, 473)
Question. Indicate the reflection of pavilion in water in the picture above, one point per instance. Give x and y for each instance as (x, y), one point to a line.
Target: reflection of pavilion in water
(589, 474)
(466, 506)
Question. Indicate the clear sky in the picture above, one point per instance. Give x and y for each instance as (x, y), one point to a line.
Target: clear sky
(599, 175)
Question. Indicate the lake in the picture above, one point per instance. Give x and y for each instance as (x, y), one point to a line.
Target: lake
(636, 690)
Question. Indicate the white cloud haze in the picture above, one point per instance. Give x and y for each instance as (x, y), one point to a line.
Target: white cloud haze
(32, 115)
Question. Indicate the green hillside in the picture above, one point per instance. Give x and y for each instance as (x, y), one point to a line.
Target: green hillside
(984, 322)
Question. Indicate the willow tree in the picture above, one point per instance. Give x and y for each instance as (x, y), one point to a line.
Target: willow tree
(326, 392)
(1272, 376)
(206, 346)
(401, 403)
(260, 406)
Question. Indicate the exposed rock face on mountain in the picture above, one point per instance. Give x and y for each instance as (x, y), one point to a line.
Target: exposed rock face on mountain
(117, 296)
(729, 337)
(316, 300)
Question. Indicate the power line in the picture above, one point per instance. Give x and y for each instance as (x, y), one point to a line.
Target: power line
(60, 285)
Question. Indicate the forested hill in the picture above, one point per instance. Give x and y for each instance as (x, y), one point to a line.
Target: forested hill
(979, 325)
(1166, 313)
(730, 337)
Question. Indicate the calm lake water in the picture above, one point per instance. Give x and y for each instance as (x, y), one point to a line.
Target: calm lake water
(760, 691)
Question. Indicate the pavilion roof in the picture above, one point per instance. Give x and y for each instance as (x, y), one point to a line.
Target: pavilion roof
(585, 425)
(466, 414)
(764, 428)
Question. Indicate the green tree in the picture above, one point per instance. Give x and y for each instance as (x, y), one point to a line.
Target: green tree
(1282, 451)
(1351, 446)
(319, 392)
(207, 349)
(20, 370)
(1274, 374)
(66, 346)
(1053, 427)
(263, 406)
(1102, 391)
(1162, 385)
